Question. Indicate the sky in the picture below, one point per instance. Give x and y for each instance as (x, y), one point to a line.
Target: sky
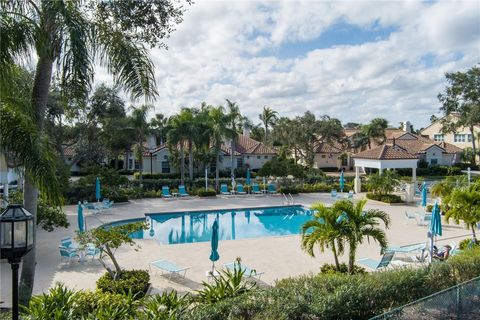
(353, 60)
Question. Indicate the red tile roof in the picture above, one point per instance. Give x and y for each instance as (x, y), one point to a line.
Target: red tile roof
(385, 152)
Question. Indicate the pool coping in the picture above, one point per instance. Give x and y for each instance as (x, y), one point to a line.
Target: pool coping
(219, 210)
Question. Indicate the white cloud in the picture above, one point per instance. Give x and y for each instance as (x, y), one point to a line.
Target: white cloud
(220, 51)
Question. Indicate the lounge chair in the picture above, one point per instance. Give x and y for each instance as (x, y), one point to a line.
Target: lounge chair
(107, 204)
(382, 264)
(333, 193)
(165, 265)
(66, 242)
(271, 189)
(91, 250)
(256, 189)
(349, 195)
(410, 216)
(93, 207)
(224, 190)
(424, 219)
(166, 192)
(248, 272)
(410, 249)
(240, 189)
(182, 192)
(68, 254)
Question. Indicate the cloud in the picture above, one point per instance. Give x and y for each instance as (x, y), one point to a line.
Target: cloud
(233, 49)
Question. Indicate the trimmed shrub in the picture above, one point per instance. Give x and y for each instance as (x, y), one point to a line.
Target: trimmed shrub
(135, 282)
(387, 198)
(206, 193)
(287, 190)
(330, 268)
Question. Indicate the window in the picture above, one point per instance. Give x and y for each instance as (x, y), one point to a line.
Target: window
(165, 167)
(258, 157)
(239, 162)
(433, 154)
(433, 162)
(248, 157)
(137, 165)
(324, 156)
(130, 164)
(469, 137)
(438, 137)
(459, 138)
(266, 157)
(165, 157)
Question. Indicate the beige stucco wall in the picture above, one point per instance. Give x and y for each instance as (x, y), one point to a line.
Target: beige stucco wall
(436, 128)
(327, 160)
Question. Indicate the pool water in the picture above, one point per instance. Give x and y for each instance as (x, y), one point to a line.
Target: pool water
(196, 226)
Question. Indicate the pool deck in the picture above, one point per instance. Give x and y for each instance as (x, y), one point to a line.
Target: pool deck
(279, 257)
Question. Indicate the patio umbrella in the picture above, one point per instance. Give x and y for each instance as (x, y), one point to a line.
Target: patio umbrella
(214, 256)
(424, 195)
(98, 193)
(342, 181)
(264, 184)
(435, 227)
(248, 180)
(80, 217)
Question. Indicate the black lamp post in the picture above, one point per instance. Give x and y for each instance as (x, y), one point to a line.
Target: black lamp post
(16, 239)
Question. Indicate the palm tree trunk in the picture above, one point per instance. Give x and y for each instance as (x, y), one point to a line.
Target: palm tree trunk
(182, 163)
(41, 87)
(473, 234)
(190, 159)
(217, 172)
(266, 133)
(232, 151)
(474, 147)
(351, 257)
(335, 256)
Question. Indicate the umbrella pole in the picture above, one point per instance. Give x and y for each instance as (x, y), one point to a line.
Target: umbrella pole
(431, 248)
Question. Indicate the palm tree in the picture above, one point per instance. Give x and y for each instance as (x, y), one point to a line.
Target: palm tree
(464, 205)
(76, 35)
(235, 118)
(176, 137)
(324, 231)
(220, 130)
(140, 127)
(375, 131)
(359, 224)
(268, 118)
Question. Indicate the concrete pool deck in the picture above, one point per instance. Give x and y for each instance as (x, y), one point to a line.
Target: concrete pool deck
(279, 257)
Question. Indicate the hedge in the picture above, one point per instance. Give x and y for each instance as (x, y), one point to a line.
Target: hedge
(134, 282)
(387, 198)
(206, 193)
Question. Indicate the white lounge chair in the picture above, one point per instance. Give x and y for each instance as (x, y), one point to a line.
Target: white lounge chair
(165, 265)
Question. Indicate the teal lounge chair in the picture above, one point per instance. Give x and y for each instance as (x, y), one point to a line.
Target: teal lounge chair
(66, 242)
(240, 189)
(256, 189)
(248, 272)
(349, 195)
(424, 219)
(91, 251)
(166, 192)
(378, 265)
(271, 189)
(182, 192)
(68, 254)
(333, 193)
(224, 189)
(107, 204)
(165, 265)
(421, 247)
(93, 207)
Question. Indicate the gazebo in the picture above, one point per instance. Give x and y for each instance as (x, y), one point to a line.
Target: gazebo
(388, 156)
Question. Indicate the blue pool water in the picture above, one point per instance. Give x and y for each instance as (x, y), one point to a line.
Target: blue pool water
(196, 226)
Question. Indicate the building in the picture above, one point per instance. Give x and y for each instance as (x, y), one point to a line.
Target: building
(461, 139)
(331, 155)
(247, 153)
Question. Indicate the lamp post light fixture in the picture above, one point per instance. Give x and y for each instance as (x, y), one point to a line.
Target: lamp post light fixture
(16, 240)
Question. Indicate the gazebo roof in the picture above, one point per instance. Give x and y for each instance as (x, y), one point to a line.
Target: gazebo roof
(385, 152)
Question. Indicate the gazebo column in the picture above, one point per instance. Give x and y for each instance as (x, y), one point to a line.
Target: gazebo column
(357, 183)
(414, 175)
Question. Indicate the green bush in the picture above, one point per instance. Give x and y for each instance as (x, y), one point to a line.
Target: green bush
(468, 243)
(287, 190)
(429, 208)
(387, 198)
(206, 193)
(135, 282)
(330, 268)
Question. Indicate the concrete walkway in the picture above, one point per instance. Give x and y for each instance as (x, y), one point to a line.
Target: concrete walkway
(278, 257)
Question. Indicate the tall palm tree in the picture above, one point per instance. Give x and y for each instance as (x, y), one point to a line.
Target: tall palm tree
(76, 35)
(141, 127)
(176, 137)
(464, 205)
(324, 231)
(375, 131)
(220, 130)
(360, 224)
(235, 118)
(268, 118)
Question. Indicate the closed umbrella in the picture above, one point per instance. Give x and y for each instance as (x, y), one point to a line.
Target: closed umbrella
(248, 180)
(264, 184)
(435, 226)
(98, 194)
(342, 181)
(80, 217)
(214, 256)
(233, 183)
(424, 195)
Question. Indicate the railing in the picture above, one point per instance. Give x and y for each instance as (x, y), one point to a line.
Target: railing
(458, 302)
(291, 199)
(285, 199)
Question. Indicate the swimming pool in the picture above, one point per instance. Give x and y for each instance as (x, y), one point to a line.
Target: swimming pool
(241, 223)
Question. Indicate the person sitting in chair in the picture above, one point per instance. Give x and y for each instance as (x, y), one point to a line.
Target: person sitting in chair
(442, 254)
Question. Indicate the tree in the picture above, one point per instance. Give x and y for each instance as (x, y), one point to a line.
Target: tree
(160, 127)
(375, 131)
(268, 118)
(181, 131)
(75, 35)
(235, 118)
(140, 127)
(384, 183)
(461, 103)
(359, 224)
(108, 240)
(324, 231)
(464, 205)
